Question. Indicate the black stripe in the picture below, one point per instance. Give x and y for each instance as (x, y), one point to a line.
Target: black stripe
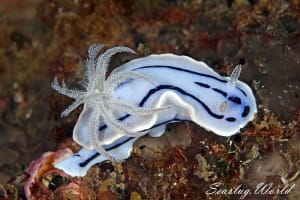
(121, 119)
(236, 100)
(244, 93)
(83, 164)
(246, 111)
(231, 119)
(165, 122)
(220, 92)
(119, 144)
(191, 72)
(170, 87)
(184, 70)
(203, 84)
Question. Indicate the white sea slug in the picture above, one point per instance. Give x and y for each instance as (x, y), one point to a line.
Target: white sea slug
(142, 96)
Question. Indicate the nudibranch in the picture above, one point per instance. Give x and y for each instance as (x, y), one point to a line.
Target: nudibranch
(143, 95)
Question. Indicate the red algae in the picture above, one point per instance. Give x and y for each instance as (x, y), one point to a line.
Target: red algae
(34, 187)
(187, 160)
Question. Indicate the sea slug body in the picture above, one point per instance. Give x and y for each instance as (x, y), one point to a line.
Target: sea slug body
(143, 95)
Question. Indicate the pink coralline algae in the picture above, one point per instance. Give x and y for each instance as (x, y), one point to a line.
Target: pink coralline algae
(42, 167)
